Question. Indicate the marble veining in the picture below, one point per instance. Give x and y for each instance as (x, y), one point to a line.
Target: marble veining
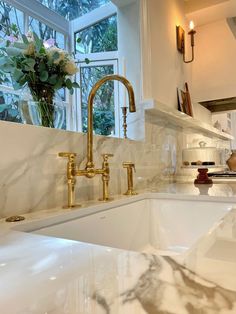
(41, 274)
(31, 170)
(183, 292)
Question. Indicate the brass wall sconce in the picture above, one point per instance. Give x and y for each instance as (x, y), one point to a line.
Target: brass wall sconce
(180, 37)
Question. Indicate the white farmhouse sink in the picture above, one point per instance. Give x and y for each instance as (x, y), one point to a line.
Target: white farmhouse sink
(153, 225)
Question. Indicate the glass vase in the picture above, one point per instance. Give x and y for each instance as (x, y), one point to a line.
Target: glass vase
(42, 108)
(43, 95)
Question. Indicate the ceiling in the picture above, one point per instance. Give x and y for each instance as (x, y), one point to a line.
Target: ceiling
(207, 11)
(194, 5)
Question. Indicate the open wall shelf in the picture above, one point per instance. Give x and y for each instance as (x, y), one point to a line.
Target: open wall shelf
(174, 117)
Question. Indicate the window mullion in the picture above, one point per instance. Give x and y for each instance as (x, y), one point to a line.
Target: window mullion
(26, 23)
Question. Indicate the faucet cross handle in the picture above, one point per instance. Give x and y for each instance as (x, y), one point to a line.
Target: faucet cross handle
(105, 177)
(107, 156)
(130, 166)
(71, 181)
(70, 156)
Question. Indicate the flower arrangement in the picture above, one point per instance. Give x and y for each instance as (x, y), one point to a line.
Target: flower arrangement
(41, 65)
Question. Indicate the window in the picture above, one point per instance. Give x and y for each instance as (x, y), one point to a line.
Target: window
(99, 37)
(10, 16)
(96, 38)
(94, 35)
(12, 21)
(45, 32)
(72, 9)
(106, 117)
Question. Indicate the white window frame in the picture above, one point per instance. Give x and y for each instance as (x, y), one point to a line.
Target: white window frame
(34, 9)
(78, 112)
(96, 59)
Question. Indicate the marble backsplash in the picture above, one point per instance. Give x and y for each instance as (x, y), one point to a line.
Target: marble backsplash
(33, 177)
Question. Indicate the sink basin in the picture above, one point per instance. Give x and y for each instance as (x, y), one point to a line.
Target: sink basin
(152, 225)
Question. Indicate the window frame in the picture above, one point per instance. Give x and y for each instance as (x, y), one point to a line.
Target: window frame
(78, 102)
(96, 59)
(34, 9)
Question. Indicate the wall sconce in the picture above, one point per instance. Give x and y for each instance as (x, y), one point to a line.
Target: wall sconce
(180, 37)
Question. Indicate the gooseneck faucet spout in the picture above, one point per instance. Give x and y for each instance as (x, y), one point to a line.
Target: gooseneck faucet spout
(90, 170)
(132, 108)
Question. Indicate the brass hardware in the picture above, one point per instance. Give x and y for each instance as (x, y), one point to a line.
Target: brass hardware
(90, 170)
(124, 125)
(15, 218)
(105, 178)
(180, 39)
(130, 166)
(92, 94)
(71, 181)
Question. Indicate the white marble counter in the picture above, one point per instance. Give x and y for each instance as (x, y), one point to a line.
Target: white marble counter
(42, 275)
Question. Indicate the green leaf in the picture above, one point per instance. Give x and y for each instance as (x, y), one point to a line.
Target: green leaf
(21, 46)
(38, 42)
(13, 52)
(42, 50)
(78, 40)
(8, 68)
(25, 39)
(17, 75)
(53, 79)
(3, 107)
(42, 67)
(58, 84)
(16, 85)
(56, 55)
(23, 80)
(72, 91)
(43, 76)
(75, 85)
(69, 84)
(3, 60)
(29, 64)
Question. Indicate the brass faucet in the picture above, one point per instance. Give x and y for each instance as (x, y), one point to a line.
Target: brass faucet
(90, 170)
(130, 166)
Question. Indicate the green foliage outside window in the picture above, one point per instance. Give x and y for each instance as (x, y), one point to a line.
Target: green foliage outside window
(11, 22)
(71, 9)
(103, 112)
(99, 37)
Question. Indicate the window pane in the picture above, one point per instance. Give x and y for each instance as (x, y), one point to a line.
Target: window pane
(45, 32)
(72, 9)
(104, 114)
(9, 16)
(99, 37)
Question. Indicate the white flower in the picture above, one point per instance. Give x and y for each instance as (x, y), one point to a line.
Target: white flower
(70, 68)
(61, 54)
(30, 36)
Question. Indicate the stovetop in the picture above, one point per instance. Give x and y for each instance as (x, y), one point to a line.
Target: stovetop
(224, 173)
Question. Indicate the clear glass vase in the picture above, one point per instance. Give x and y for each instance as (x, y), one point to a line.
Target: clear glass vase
(39, 106)
(36, 113)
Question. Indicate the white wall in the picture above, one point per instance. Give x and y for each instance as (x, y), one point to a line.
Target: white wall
(167, 68)
(214, 67)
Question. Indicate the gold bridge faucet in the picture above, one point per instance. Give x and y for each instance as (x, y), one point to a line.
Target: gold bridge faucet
(90, 170)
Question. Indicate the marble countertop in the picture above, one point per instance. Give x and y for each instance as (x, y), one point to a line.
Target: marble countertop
(44, 275)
